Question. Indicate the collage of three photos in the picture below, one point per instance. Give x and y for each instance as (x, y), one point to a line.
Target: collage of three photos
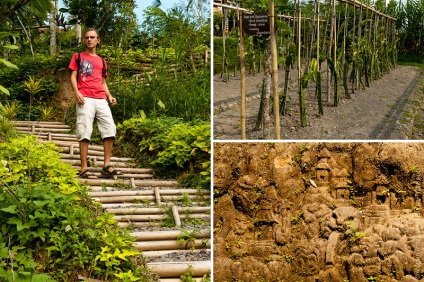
(212, 140)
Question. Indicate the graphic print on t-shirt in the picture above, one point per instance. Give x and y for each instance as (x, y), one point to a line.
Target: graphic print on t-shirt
(86, 69)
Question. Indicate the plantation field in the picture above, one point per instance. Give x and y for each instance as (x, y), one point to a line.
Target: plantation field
(388, 109)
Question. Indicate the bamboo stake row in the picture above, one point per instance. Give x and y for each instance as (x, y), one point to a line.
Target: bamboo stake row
(335, 73)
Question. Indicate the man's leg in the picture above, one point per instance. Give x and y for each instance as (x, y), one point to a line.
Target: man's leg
(83, 145)
(107, 146)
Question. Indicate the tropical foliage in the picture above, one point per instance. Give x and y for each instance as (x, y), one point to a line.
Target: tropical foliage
(50, 228)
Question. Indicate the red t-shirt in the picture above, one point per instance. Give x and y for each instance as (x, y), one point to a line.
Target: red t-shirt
(90, 75)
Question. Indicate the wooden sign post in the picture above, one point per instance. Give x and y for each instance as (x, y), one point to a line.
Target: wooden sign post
(274, 64)
(259, 25)
(242, 80)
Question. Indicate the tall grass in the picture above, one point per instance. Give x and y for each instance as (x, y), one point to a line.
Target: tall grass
(184, 95)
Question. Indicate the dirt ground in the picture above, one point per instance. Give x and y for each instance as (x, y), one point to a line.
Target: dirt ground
(390, 109)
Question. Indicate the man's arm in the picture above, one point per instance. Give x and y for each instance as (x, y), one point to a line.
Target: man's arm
(111, 99)
(78, 95)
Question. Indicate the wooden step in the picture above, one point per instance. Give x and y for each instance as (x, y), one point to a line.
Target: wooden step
(74, 144)
(44, 135)
(114, 164)
(96, 158)
(143, 211)
(51, 124)
(35, 130)
(197, 279)
(168, 235)
(176, 269)
(127, 183)
(126, 170)
(159, 216)
(152, 254)
(150, 204)
(149, 192)
(170, 245)
(130, 199)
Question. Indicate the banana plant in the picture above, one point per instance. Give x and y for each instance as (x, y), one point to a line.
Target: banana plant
(5, 62)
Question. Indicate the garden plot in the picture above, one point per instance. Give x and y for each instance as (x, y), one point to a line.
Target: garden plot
(387, 109)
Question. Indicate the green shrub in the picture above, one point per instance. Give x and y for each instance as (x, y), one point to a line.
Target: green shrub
(48, 223)
(170, 145)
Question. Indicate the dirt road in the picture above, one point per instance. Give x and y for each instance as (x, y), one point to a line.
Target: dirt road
(390, 109)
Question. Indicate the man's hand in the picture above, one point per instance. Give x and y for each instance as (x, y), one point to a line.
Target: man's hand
(80, 98)
(112, 101)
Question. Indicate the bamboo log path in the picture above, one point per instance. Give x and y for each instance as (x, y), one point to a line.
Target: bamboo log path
(139, 201)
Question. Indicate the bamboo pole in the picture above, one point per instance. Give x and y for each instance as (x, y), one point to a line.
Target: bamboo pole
(299, 74)
(149, 192)
(169, 235)
(345, 64)
(154, 217)
(175, 269)
(242, 80)
(170, 245)
(140, 183)
(336, 77)
(144, 211)
(320, 107)
(330, 48)
(224, 34)
(274, 72)
(176, 215)
(152, 254)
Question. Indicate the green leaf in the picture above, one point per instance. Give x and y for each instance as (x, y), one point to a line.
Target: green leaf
(9, 64)
(5, 34)
(14, 47)
(4, 90)
(10, 209)
(161, 104)
(41, 203)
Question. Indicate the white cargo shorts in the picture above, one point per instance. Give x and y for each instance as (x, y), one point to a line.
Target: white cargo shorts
(94, 109)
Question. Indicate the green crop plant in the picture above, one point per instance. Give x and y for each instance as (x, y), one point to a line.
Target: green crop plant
(188, 275)
(169, 220)
(185, 199)
(187, 237)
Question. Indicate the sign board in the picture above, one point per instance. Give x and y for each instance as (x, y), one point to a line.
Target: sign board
(256, 24)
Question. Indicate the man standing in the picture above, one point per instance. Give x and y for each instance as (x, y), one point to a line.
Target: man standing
(88, 79)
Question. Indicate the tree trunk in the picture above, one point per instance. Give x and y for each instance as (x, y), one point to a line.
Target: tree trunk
(78, 34)
(53, 13)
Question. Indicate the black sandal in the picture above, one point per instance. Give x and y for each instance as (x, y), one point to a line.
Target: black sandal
(106, 171)
(86, 174)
